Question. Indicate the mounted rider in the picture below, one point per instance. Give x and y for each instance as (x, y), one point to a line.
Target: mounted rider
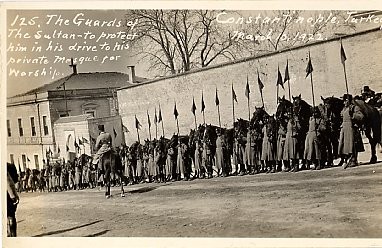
(103, 145)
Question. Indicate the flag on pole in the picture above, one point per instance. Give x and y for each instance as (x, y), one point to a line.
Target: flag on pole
(217, 98)
(155, 116)
(175, 112)
(234, 97)
(137, 124)
(247, 91)
(115, 132)
(286, 77)
(309, 67)
(193, 108)
(160, 115)
(80, 142)
(148, 118)
(28, 159)
(203, 105)
(343, 55)
(261, 85)
(85, 140)
(67, 148)
(124, 129)
(279, 78)
(75, 144)
(58, 149)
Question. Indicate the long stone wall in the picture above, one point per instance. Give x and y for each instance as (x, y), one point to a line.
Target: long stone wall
(363, 67)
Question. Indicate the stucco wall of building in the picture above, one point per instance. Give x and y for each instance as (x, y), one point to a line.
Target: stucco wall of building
(363, 67)
(28, 144)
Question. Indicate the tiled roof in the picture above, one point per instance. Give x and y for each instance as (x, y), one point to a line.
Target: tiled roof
(93, 80)
(75, 118)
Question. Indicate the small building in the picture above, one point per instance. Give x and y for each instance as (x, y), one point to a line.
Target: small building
(76, 135)
(31, 115)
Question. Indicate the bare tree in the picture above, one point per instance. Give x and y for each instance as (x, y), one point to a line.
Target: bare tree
(179, 40)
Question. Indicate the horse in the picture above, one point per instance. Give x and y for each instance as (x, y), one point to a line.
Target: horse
(371, 123)
(303, 111)
(160, 159)
(240, 133)
(209, 148)
(256, 127)
(111, 164)
(331, 114)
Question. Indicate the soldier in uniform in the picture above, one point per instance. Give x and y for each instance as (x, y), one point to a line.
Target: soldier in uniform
(103, 145)
(219, 155)
(312, 152)
(350, 142)
(291, 146)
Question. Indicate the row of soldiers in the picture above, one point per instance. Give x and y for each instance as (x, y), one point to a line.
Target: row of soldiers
(58, 175)
(275, 148)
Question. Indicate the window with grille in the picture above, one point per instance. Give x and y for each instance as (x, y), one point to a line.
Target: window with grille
(33, 127)
(21, 131)
(44, 123)
(9, 128)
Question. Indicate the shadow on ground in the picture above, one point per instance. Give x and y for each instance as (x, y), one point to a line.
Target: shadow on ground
(66, 230)
(97, 234)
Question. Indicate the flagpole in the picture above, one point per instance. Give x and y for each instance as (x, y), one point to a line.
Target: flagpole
(156, 130)
(233, 109)
(290, 99)
(314, 104)
(139, 141)
(160, 111)
(177, 125)
(219, 117)
(204, 118)
(261, 86)
(148, 118)
(277, 94)
(344, 67)
(162, 129)
(249, 110)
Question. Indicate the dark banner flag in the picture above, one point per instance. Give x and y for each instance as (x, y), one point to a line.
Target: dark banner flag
(193, 108)
(175, 112)
(309, 67)
(234, 97)
(137, 124)
(203, 105)
(247, 91)
(279, 78)
(286, 77)
(217, 98)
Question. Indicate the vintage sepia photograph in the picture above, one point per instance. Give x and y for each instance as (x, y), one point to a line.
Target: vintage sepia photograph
(192, 121)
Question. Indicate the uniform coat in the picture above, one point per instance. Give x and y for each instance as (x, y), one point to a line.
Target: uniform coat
(291, 146)
(350, 139)
(281, 134)
(250, 151)
(198, 158)
(312, 149)
(219, 155)
(103, 144)
(267, 151)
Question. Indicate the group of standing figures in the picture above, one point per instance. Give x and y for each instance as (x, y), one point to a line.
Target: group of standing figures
(297, 137)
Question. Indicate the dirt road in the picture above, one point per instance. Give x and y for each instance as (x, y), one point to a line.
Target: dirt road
(313, 204)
